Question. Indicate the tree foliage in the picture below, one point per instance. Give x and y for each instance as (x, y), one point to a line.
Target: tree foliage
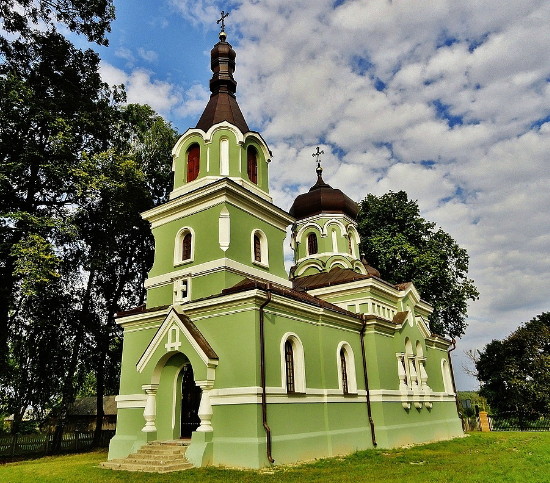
(405, 247)
(89, 17)
(515, 372)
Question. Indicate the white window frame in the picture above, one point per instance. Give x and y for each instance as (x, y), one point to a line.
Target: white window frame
(178, 248)
(350, 367)
(264, 251)
(447, 377)
(298, 360)
(178, 286)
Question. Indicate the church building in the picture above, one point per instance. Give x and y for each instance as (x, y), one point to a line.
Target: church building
(252, 366)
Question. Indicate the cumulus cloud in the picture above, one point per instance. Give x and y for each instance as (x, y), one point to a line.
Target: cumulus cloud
(165, 98)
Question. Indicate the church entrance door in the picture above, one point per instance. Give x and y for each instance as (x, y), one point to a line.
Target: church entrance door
(190, 400)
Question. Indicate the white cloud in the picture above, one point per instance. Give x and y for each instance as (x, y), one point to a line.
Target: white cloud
(164, 97)
(148, 55)
(198, 11)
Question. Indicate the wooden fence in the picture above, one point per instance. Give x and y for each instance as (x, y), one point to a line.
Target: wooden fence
(41, 444)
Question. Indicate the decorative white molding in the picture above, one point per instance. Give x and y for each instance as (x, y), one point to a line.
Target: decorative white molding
(205, 409)
(150, 411)
(212, 267)
(279, 395)
(224, 156)
(170, 321)
(224, 222)
(182, 290)
(130, 401)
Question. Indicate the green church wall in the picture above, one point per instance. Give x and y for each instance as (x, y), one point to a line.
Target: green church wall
(160, 296)
(206, 246)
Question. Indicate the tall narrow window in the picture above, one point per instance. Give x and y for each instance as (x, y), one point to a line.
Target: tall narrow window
(345, 389)
(257, 248)
(186, 246)
(252, 164)
(289, 363)
(193, 162)
(312, 247)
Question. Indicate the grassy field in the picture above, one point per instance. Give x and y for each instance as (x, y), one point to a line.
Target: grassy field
(480, 457)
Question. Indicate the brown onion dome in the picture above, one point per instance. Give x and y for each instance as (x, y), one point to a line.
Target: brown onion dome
(222, 105)
(322, 198)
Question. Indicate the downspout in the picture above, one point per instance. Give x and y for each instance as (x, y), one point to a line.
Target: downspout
(262, 372)
(369, 409)
(453, 376)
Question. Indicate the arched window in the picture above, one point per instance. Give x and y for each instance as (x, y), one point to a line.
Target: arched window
(252, 164)
(259, 249)
(193, 162)
(186, 246)
(312, 247)
(447, 377)
(344, 371)
(289, 365)
(292, 364)
(184, 250)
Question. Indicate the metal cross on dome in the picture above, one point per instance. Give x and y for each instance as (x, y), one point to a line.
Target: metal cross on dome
(222, 19)
(317, 154)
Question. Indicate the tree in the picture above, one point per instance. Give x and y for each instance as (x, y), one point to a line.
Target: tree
(514, 373)
(116, 243)
(405, 247)
(53, 107)
(89, 17)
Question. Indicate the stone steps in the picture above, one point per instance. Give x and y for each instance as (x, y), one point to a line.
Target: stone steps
(155, 457)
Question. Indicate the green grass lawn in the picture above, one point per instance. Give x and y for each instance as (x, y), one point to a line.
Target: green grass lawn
(480, 457)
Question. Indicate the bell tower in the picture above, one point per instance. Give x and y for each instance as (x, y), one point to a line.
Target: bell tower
(325, 233)
(220, 224)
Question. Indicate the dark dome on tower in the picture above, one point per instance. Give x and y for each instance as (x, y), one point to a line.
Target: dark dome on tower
(222, 105)
(322, 198)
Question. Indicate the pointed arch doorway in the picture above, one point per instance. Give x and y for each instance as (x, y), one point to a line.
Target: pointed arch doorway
(190, 400)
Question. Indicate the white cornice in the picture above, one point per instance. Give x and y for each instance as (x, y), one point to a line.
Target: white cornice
(356, 287)
(220, 191)
(207, 180)
(216, 266)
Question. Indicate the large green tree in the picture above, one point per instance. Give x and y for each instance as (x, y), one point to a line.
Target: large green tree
(53, 107)
(116, 244)
(515, 372)
(405, 247)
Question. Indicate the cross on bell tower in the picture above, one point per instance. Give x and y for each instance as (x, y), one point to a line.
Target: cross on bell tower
(316, 154)
(224, 15)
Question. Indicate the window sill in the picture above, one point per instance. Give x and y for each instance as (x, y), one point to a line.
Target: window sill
(183, 262)
(296, 394)
(260, 264)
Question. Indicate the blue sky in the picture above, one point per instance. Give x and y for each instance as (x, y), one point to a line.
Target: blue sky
(449, 101)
